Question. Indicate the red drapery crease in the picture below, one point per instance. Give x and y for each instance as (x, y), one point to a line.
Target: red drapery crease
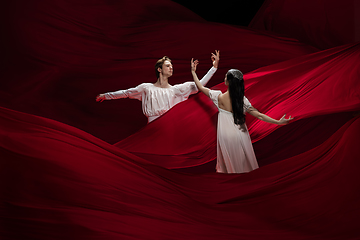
(62, 176)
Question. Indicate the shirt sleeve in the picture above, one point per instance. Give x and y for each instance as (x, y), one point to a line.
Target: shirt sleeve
(208, 76)
(247, 104)
(185, 89)
(214, 96)
(134, 93)
(188, 88)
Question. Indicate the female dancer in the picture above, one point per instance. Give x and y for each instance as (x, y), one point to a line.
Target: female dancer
(157, 98)
(235, 153)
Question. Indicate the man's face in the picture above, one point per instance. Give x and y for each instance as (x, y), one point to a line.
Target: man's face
(167, 69)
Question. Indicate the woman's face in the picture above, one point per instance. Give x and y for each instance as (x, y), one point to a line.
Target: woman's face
(226, 81)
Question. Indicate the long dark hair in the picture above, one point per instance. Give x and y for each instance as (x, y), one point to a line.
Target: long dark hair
(236, 90)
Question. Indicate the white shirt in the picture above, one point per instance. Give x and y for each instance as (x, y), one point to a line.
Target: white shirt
(155, 100)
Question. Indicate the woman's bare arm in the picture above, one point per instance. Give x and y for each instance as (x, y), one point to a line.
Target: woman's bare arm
(201, 88)
(215, 59)
(282, 121)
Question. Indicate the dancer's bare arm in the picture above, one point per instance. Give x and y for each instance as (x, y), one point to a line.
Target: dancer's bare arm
(282, 121)
(201, 88)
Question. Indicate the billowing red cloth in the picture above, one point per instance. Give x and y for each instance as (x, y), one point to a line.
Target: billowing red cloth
(312, 89)
(61, 54)
(58, 182)
(320, 23)
(62, 178)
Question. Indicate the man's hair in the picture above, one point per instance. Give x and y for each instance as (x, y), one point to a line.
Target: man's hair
(159, 64)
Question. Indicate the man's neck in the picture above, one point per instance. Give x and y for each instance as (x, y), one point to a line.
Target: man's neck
(162, 82)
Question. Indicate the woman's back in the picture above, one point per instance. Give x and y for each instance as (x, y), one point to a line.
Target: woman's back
(225, 102)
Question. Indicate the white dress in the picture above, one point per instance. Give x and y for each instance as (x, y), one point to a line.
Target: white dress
(155, 100)
(235, 153)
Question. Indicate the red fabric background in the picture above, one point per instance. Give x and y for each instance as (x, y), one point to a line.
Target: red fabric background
(312, 89)
(61, 54)
(59, 182)
(62, 176)
(323, 24)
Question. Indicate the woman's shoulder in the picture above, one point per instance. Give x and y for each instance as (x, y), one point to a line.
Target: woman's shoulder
(223, 97)
(215, 92)
(215, 96)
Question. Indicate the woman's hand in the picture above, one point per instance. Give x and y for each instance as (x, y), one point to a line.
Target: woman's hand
(194, 64)
(215, 58)
(100, 97)
(284, 121)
